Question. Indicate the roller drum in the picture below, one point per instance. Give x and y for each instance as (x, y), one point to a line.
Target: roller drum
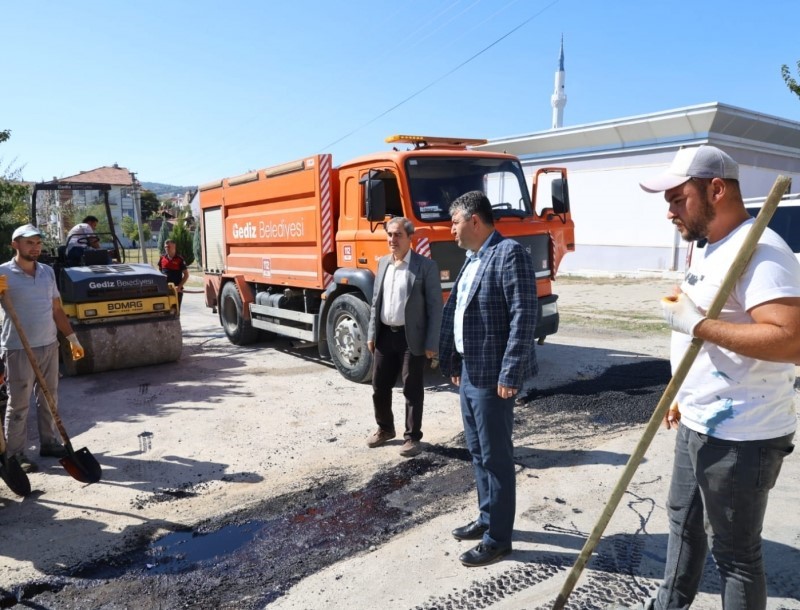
(123, 346)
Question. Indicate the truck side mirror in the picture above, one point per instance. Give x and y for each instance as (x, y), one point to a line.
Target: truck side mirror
(375, 194)
(560, 196)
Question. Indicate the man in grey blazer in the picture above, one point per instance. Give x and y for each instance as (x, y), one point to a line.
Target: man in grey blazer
(404, 324)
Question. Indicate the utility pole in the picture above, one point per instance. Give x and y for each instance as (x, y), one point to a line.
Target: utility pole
(137, 207)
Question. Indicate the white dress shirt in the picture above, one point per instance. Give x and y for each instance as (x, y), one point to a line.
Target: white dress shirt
(395, 292)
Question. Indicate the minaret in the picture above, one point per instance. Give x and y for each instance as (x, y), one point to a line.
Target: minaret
(559, 99)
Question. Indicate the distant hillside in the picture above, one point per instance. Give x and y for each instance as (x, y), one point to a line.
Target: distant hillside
(166, 189)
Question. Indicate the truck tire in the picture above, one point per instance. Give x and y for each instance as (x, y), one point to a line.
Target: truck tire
(231, 314)
(347, 324)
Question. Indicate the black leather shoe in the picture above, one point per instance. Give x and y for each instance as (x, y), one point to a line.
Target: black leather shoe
(471, 531)
(483, 555)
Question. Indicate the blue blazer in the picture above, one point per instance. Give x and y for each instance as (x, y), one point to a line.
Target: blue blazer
(423, 308)
(499, 320)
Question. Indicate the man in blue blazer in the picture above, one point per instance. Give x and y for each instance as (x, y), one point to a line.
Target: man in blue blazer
(486, 348)
(404, 323)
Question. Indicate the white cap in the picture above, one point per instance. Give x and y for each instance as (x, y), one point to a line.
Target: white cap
(700, 162)
(25, 231)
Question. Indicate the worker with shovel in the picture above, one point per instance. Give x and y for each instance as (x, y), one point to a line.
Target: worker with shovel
(735, 414)
(31, 288)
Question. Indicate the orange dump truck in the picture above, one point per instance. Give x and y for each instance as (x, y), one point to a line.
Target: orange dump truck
(293, 249)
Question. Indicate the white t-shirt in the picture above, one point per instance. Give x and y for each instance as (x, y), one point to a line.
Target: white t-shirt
(80, 230)
(726, 395)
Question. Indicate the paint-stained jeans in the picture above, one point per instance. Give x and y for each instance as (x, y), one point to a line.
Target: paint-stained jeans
(717, 497)
(21, 382)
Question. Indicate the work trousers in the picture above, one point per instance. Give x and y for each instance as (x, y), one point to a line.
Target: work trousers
(392, 357)
(718, 497)
(488, 425)
(21, 382)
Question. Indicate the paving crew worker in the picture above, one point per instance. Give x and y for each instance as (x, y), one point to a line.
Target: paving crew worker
(486, 348)
(79, 237)
(403, 331)
(31, 288)
(174, 267)
(737, 414)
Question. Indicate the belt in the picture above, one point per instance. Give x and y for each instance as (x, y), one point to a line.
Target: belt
(395, 329)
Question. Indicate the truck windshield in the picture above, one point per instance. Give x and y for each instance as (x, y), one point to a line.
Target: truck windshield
(435, 182)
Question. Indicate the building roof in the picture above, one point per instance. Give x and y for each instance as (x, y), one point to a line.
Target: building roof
(113, 174)
(713, 122)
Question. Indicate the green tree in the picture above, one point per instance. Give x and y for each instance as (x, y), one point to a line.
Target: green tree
(793, 85)
(183, 241)
(131, 230)
(163, 234)
(14, 198)
(197, 247)
(149, 203)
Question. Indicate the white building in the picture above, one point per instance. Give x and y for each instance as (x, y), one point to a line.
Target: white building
(619, 227)
(58, 211)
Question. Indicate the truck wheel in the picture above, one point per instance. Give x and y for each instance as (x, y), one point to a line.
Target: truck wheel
(347, 338)
(238, 330)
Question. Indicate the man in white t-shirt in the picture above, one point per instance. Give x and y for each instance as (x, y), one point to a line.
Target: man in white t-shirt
(735, 414)
(82, 237)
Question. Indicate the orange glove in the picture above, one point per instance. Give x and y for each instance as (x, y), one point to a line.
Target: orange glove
(75, 347)
(3, 284)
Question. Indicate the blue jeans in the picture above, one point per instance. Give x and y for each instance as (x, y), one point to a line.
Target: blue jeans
(488, 424)
(718, 497)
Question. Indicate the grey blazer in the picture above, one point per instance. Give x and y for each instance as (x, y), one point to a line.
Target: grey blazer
(423, 310)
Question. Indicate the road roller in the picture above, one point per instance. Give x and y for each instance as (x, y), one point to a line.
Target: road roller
(124, 314)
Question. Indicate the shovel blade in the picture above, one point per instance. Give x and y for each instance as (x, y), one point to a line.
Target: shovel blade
(82, 466)
(12, 473)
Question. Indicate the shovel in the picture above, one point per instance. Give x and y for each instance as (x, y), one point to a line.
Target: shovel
(11, 472)
(81, 464)
(735, 271)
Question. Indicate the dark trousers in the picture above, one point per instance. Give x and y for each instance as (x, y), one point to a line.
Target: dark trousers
(717, 498)
(392, 357)
(488, 425)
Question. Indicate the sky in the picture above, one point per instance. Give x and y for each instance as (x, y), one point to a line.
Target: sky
(184, 93)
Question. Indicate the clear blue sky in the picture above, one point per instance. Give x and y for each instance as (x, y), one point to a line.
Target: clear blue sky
(188, 92)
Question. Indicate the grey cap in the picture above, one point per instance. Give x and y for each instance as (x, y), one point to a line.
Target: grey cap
(700, 162)
(25, 231)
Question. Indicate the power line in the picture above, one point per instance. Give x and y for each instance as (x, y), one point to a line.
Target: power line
(439, 79)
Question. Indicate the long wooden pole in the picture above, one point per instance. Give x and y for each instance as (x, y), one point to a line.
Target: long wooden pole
(734, 273)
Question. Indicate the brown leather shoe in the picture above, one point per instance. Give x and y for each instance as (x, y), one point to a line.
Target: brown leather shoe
(380, 437)
(410, 448)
